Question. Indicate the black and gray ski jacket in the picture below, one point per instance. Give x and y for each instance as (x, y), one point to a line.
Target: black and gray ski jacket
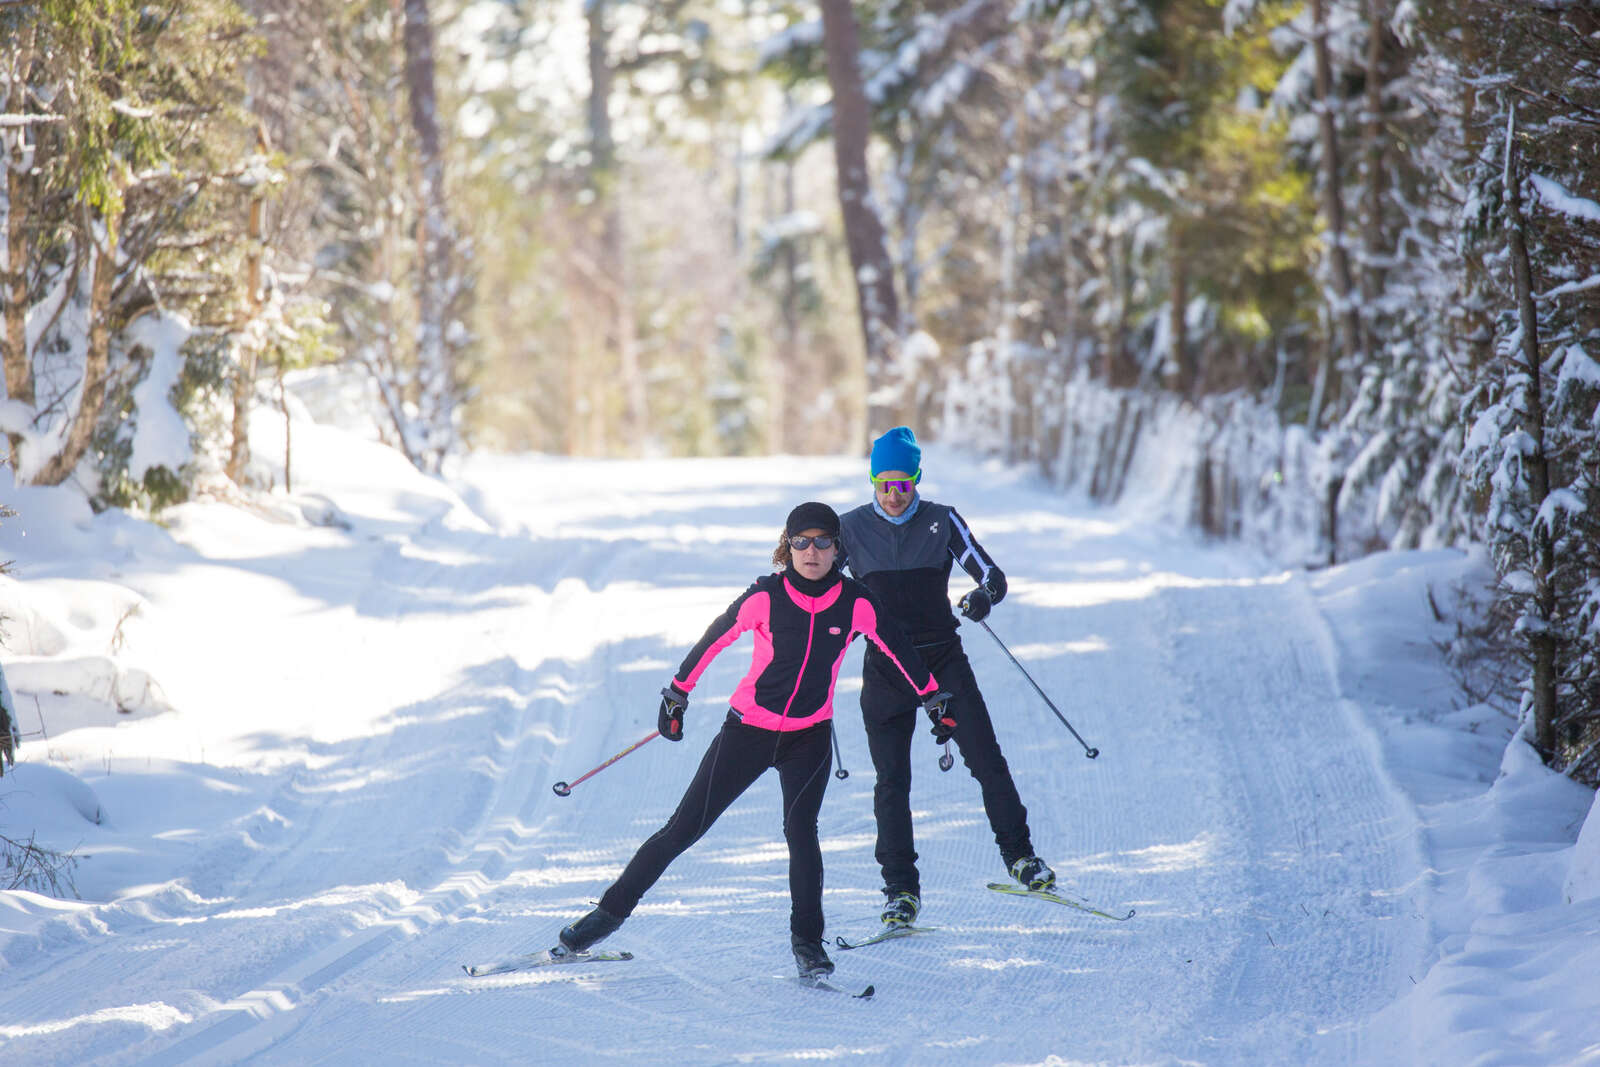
(907, 567)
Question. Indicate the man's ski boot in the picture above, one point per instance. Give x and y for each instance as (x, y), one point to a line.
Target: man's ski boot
(593, 928)
(901, 908)
(1033, 873)
(809, 958)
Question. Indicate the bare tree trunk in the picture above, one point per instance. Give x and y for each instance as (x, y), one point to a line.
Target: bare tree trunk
(288, 433)
(97, 357)
(622, 335)
(244, 384)
(1120, 259)
(435, 368)
(1372, 227)
(1182, 369)
(14, 339)
(1346, 314)
(1541, 640)
(18, 361)
(788, 352)
(1319, 385)
(863, 229)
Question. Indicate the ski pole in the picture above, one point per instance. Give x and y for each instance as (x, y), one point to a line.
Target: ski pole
(562, 788)
(839, 772)
(1087, 751)
(946, 761)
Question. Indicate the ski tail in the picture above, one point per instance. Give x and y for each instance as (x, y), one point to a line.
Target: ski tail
(550, 957)
(1057, 898)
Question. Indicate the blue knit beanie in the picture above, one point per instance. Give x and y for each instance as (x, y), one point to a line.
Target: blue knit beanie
(896, 450)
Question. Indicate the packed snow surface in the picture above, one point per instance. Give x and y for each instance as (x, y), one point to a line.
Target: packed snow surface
(303, 748)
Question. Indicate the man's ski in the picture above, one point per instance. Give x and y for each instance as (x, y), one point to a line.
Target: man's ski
(828, 987)
(1071, 902)
(550, 957)
(888, 933)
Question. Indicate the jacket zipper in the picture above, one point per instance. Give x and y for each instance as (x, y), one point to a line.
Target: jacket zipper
(811, 631)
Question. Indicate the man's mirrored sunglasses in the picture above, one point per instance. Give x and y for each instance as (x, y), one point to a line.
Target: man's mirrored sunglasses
(800, 543)
(898, 485)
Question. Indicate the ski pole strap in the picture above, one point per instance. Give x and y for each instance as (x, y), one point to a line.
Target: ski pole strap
(564, 788)
(1090, 752)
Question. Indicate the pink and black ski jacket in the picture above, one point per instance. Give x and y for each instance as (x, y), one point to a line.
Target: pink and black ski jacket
(801, 629)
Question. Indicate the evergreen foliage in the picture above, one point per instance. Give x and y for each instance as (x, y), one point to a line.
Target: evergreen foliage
(123, 175)
(1534, 222)
(1356, 240)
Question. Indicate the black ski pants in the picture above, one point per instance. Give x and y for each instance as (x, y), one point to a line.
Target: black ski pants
(893, 718)
(738, 755)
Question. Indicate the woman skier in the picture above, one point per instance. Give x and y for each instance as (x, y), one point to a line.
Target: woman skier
(803, 617)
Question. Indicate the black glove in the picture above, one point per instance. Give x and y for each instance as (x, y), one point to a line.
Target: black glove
(669, 720)
(976, 604)
(938, 709)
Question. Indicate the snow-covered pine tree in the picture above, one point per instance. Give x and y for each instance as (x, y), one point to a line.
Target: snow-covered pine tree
(349, 233)
(439, 284)
(123, 214)
(919, 66)
(1423, 310)
(1533, 445)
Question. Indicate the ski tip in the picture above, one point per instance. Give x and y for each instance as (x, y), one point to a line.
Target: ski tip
(625, 955)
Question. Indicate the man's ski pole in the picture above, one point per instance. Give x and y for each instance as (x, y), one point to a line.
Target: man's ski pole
(1087, 751)
(563, 788)
(839, 772)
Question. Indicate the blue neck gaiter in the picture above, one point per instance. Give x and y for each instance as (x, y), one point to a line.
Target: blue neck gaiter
(905, 516)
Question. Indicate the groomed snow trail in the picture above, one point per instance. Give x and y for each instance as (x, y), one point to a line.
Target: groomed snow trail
(1237, 804)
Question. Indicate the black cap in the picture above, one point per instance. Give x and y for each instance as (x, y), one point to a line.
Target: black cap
(813, 516)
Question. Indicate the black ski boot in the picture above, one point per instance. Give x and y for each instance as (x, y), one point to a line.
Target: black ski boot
(900, 908)
(593, 928)
(809, 958)
(1033, 873)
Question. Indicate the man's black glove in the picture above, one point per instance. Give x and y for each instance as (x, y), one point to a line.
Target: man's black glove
(669, 720)
(976, 604)
(938, 709)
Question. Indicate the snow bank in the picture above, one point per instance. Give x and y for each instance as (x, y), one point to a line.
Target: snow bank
(1583, 877)
(56, 798)
(1513, 900)
(63, 640)
(1225, 465)
(50, 524)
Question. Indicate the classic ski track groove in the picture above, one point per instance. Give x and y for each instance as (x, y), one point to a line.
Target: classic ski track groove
(1217, 880)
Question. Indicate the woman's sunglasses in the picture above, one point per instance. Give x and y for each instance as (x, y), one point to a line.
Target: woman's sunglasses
(800, 543)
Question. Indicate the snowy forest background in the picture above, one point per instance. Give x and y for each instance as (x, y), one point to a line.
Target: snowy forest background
(1345, 253)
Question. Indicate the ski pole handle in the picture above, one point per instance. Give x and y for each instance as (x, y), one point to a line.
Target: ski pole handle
(565, 789)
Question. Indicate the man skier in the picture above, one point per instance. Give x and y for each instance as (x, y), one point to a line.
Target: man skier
(901, 547)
